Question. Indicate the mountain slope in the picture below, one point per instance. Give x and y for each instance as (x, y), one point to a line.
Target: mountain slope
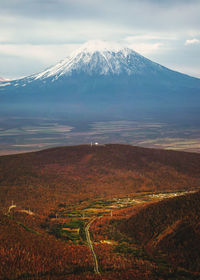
(43, 179)
(101, 58)
(170, 227)
(103, 80)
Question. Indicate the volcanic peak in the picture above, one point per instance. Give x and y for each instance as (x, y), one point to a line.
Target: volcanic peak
(95, 57)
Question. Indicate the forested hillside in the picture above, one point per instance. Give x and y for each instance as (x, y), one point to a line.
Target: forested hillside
(171, 227)
(41, 180)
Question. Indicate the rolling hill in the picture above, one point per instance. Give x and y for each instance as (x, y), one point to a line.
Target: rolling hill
(56, 193)
(41, 180)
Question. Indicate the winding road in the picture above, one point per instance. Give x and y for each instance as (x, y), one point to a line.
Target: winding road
(87, 233)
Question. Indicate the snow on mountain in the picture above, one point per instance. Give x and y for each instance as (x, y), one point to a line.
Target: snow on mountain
(101, 80)
(102, 66)
(4, 82)
(98, 57)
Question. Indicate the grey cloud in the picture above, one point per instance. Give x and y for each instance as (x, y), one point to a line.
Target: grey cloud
(135, 12)
(51, 20)
(59, 9)
(76, 21)
(137, 16)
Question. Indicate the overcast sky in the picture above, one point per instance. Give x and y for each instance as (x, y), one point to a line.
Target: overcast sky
(35, 34)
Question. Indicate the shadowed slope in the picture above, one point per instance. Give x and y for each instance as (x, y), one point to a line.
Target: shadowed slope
(171, 229)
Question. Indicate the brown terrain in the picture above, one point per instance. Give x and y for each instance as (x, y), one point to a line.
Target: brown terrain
(40, 180)
(171, 227)
(140, 207)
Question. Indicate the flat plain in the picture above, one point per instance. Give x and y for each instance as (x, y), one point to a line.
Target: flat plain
(32, 134)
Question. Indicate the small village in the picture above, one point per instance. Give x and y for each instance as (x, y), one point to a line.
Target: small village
(68, 221)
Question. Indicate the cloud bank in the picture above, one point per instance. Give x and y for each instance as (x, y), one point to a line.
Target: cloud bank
(36, 34)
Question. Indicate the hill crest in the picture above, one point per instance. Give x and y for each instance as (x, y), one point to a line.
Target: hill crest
(58, 175)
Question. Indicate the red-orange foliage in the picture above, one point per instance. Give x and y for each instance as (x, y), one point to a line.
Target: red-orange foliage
(23, 252)
(41, 180)
(171, 226)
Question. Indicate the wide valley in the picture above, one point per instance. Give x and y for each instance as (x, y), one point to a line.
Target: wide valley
(19, 134)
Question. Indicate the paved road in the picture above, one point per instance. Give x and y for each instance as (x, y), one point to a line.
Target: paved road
(96, 266)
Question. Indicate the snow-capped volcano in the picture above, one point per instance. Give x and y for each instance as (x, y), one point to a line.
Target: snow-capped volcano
(99, 58)
(102, 79)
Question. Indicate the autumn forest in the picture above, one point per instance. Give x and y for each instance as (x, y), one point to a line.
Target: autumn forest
(100, 212)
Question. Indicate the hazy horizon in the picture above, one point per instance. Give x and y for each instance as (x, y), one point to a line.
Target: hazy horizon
(37, 34)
